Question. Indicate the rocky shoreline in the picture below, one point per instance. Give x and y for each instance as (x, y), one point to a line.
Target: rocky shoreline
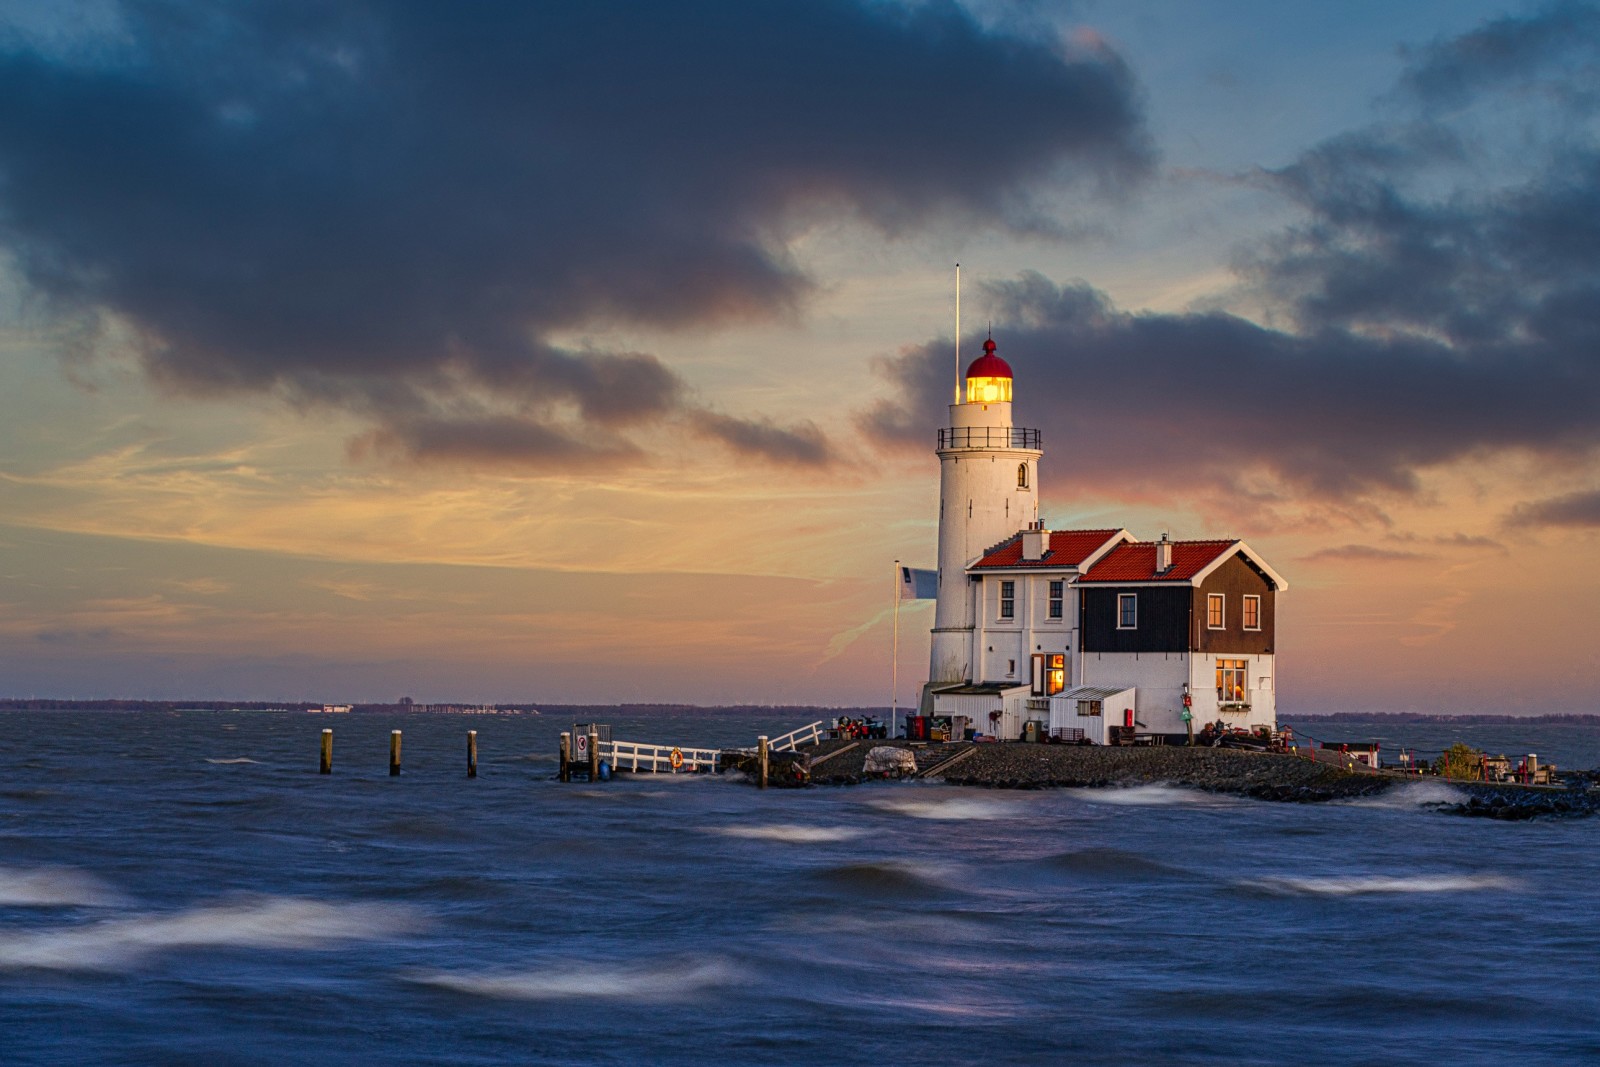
(1259, 775)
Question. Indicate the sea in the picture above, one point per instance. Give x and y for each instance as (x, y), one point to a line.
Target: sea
(184, 888)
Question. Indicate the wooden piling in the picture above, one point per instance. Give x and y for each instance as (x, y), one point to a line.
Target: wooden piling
(565, 773)
(762, 760)
(594, 756)
(472, 753)
(394, 753)
(327, 752)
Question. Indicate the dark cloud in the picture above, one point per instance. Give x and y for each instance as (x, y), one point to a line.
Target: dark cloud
(1363, 554)
(802, 445)
(1580, 509)
(396, 205)
(1511, 49)
(1438, 307)
(492, 441)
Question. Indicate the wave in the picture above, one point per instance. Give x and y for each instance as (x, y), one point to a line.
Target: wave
(1413, 795)
(885, 879)
(950, 808)
(1109, 862)
(791, 833)
(270, 922)
(54, 887)
(1152, 796)
(1355, 885)
(657, 981)
(236, 759)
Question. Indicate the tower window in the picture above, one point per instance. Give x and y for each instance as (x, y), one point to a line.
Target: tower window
(1022, 476)
(1008, 600)
(1127, 611)
(1057, 589)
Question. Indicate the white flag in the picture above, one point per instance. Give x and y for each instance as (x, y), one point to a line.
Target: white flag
(918, 584)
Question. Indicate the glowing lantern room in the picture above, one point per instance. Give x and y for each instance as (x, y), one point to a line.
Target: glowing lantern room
(989, 378)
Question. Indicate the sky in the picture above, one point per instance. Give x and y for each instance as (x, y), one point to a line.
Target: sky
(595, 353)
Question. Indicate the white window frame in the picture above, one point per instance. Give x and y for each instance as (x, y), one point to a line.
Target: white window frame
(1132, 598)
(1244, 612)
(1055, 599)
(1008, 616)
(1241, 667)
(1222, 599)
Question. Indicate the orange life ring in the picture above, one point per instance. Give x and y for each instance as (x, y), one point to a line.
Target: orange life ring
(677, 759)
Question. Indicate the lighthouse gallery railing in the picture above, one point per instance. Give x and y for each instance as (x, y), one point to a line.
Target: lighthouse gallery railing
(988, 437)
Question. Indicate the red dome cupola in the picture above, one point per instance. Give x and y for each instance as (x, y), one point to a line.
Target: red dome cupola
(989, 378)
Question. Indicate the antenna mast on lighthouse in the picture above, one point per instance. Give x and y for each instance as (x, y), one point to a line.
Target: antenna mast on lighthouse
(958, 333)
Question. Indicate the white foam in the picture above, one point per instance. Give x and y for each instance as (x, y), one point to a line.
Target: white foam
(1413, 795)
(791, 833)
(1354, 885)
(236, 759)
(54, 887)
(1152, 796)
(950, 808)
(270, 922)
(657, 981)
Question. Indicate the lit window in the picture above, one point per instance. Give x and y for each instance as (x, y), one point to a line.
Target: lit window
(1252, 613)
(1230, 681)
(1127, 611)
(1055, 676)
(988, 390)
(1022, 476)
(1214, 617)
(1057, 589)
(1008, 600)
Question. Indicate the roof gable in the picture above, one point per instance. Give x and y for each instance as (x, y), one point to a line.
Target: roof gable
(1068, 548)
(1192, 562)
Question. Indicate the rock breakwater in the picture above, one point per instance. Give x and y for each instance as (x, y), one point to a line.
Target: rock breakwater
(1260, 775)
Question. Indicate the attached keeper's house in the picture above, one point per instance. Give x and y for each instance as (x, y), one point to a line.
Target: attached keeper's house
(1082, 632)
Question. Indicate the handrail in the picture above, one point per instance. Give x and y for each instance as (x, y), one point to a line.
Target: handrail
(806, 735)
(657, 757)
(988, 437)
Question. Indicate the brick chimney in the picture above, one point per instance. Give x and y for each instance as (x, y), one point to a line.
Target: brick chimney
(1035, 541)
(1163, 555)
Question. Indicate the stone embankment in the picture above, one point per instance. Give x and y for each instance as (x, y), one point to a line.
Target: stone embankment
(1261, 775)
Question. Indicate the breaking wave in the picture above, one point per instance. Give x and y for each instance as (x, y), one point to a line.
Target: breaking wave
(1151, 796)
(658, 981)
(952, 808)
(1413, 795)
(1355, 885)
(271, 922)
(793, 834)
(236, 759)
(54, 887)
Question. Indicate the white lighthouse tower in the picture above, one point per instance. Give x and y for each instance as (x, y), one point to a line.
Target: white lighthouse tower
(988, 490)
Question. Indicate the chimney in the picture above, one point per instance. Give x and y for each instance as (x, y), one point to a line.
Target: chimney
(1035, 541)
(1163, 555)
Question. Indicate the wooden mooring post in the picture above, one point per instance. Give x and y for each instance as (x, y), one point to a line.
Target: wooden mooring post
(472, 753)
(762, 761)
(394, 753)
(327, 752)
(594, 756)
(565, 772)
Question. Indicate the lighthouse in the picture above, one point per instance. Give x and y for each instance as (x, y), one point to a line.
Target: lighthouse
(988, 490)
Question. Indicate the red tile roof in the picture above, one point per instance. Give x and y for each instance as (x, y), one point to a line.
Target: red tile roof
(1068, 548)
(1137, 562)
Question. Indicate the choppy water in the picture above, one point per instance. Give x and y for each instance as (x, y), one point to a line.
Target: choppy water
(186, 889)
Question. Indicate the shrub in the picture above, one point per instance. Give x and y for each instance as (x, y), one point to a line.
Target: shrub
(1460, 760)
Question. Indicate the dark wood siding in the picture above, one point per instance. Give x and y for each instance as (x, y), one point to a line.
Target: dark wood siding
(1234, 580)
(1163, 619)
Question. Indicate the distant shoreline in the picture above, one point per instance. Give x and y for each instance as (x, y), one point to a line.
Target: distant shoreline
(814, 711)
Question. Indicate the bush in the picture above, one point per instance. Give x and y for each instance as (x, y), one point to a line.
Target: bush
(1460, 760)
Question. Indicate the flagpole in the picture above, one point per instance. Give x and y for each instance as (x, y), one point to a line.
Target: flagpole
(958, 333)
(894, 657)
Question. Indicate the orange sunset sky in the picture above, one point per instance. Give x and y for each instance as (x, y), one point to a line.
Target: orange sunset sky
(512, 354)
